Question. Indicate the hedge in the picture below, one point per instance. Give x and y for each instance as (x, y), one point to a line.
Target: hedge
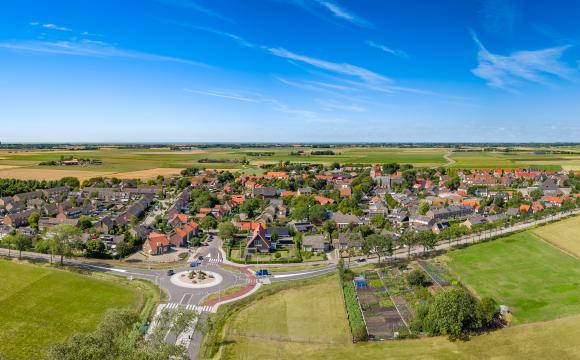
(355, 318)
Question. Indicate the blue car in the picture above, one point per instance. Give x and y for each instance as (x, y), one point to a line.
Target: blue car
(262, 272)
(194, 264)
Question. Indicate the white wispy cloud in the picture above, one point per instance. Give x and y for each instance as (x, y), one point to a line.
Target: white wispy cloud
(387, 49)
(50, 26)
(240, 40)
(343, 14)
(226, 94)
(190, 4)
(340, 68)
(89, 48)
(331, 105)
(506, 71)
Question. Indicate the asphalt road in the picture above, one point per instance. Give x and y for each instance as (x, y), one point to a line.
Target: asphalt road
(213, 256)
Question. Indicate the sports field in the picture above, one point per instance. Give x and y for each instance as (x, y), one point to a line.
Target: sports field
(536, 280)
(313, 340)
(564, 234)
(40, 306)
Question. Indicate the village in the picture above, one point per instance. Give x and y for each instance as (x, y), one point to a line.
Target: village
(292, 213)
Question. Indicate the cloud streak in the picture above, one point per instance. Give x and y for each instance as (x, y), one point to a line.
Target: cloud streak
(388, 50)
(224, 95)
(506, 71)
(50, 26)
(343, 14)
(89, 48)
(240, 40)
(340, 68)
(190, 4)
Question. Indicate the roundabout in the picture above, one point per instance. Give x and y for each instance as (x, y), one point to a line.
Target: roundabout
(196, 279)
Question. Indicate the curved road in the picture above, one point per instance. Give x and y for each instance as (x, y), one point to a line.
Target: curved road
(213, 256)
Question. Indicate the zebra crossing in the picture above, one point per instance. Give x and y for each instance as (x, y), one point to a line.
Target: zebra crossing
(213, 261)
(198, 308)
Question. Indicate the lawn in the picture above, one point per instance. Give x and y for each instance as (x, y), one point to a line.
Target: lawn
(302, 313)
(536, 280)
(564, 234)
(42, 306)
(307, 314)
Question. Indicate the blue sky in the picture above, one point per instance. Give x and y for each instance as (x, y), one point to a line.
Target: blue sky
(289, 71)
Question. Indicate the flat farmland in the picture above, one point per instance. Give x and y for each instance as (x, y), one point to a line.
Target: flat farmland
(42, 306)
(143, 163)
(485, 159)
(563, 234)
(536, 280)
(262, 331)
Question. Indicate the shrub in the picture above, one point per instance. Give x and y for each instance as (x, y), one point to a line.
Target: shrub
(417, 278)
(487, 309)
(277, 255)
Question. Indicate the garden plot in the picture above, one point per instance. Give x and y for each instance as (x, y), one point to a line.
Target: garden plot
(381, 316)
(437, 273)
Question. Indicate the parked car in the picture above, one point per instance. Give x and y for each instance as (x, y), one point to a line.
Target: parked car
(170, 272)
(200, 258)
(361, 260)
(262, 272)
(194, 264)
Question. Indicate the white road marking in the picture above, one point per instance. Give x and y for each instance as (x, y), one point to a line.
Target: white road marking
(298, 274)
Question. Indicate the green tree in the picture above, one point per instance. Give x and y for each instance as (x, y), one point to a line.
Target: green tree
(96, 248)
(378, 245)
(453, 312)
(63, 239)
(427, 239)
(423, 208)
(208, 223)
(409, 239)
(317, 214)
(123, 249)
(329, 227)
(226, 230)
(21, 242)
(85, 222)
(33, 219)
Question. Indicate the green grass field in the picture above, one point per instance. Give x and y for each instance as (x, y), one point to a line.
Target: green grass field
(536, 280)
(522, 159)
(564, 234)
(301, 324)
(40, 306)
(308, 314)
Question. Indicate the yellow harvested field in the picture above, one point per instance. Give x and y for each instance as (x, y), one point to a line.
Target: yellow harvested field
(4, 167)
(169, 152)
(47, 174)
(147, 174)
(563, 234)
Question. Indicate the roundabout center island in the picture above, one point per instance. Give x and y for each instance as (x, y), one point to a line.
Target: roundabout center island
(196, 279)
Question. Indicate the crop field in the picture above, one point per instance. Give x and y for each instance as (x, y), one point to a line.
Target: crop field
(563, 234)
(536, 280)
(253, 325)
(515, 160)
(147, 163)
(42, 306)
